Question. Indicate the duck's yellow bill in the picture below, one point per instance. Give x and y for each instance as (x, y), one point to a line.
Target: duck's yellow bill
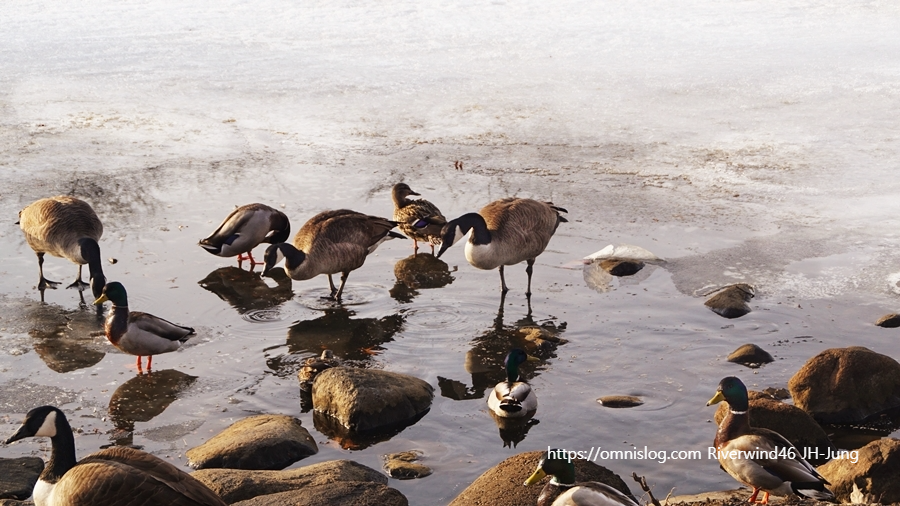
(536, 477)
(533, 359)
(716, 398)
(100, 300)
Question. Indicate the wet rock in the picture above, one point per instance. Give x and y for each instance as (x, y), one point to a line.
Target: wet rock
(750, 355)
(779, 394)
(403, 465)
(256, 442)
(846, 385)
(623, 252)
(367, 399)
(540, 338)
(889, 321)
(731, 301)
(14, 502)
(501, 485)
(872, 479)
(234, 485)
(717, 497)
(313, 366)
(790, 421)
(620, 401)
(620, 267)
(18, 476)
(347, 493)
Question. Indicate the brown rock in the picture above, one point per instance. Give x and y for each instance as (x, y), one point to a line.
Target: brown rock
(620, 267)
(889, 321)
(750, 355)
(234, 485)
(872, 479)
(846, 385)
(620, 401)
(502, 485)
(345, 493)
(790, 421)
(403, 465)
(18, 476)
(256, 442)
(731, 301)
(366, 399)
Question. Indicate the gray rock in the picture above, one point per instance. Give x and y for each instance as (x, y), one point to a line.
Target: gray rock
(889, 321)
(731, 301)
(345, 493)
(501, 485)
(403, 465)
(846, 385)
(14, 502)
(256, 442)
(620, 401)
(365, 399)
(18, 476)
(234, 485)
(750, 355)
(871, 479)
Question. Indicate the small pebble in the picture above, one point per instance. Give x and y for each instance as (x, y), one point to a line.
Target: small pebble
(113, 260)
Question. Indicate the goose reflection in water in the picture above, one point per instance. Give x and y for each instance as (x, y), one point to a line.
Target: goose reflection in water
(144, 397)
(352, 339)
(419, 271)
(65, 340)
(246, 291)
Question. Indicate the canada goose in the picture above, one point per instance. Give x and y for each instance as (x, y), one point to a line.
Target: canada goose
(513, 398)
(562, 489)
(331, 242)
(119, 476)
(777, 466)
(506, 232)
(65, 227)
(138, 333)
(244, 229)
(419, 219)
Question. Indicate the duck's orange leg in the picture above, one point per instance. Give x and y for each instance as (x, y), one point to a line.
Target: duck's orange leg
(765, 499)
(140, 369)
(149, 363)
(753, 497)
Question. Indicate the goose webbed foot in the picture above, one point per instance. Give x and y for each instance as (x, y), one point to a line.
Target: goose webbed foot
(45, 283)
(79, 285)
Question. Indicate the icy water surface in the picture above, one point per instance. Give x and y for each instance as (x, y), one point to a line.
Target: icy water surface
(756, 144)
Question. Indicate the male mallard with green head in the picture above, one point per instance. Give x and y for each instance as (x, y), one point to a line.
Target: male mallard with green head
(562, 490)
(513, 398)
(246, 228)
(136, 333)
(761, 458)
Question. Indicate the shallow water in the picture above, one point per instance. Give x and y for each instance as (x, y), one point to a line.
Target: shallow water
(747, 170)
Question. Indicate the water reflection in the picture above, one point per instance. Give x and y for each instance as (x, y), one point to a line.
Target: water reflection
(66, 340)
(417, 271)
(352, 339)
(246, 291)
(351, 440)
(513, 430)
(142, 398)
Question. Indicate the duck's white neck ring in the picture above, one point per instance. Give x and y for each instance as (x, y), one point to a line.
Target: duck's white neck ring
(733, 412)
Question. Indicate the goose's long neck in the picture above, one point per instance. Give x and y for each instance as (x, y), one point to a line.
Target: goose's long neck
(293, 257)
(474, 221)
(90, 251)
(62, 455)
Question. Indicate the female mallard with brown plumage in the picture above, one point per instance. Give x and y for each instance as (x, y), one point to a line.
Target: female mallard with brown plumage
(246, 228)
(138, 333)
(562, 490)
(505, 232)
(419, 219)
(776, 466)
(331, 242)
(69, 228)
(119, 476)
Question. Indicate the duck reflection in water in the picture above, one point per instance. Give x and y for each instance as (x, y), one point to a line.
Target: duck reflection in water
(246, 291)
(65, 340)
(419, 271)
(144, 397)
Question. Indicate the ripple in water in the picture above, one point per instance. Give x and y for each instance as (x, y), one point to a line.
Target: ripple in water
(356, 295)
(262, 316)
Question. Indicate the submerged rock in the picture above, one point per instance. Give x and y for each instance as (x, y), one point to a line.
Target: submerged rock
(366, 399)
(313, 366)
(731, 301)
(18, 476)
(750, 355)
(889, 321)
(623, 252)
(234, 485)
(790, 421)
(871, 479)
(620, 401)
(403, 465)
(501, 485)
(846, 385)
(256, 442)
(621, 267)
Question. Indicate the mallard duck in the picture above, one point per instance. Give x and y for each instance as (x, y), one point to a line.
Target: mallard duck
(513, 397)
(314, 365)
(505, 232)
(419, 219)
(778, 467)
(331, 242)
(244, 229)
(119, 476)
(69, 228)
(562, 490)
(138, 333)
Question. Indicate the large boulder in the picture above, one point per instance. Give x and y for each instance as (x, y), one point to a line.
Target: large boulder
(846, 385)
(790, 421)
(18, 476)
(234, 485)
(344, 493)
(366, 399)
(868, 475)
(503, 484)
(256, 442)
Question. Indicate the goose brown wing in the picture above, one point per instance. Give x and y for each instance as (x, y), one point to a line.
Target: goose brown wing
(158, 326)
